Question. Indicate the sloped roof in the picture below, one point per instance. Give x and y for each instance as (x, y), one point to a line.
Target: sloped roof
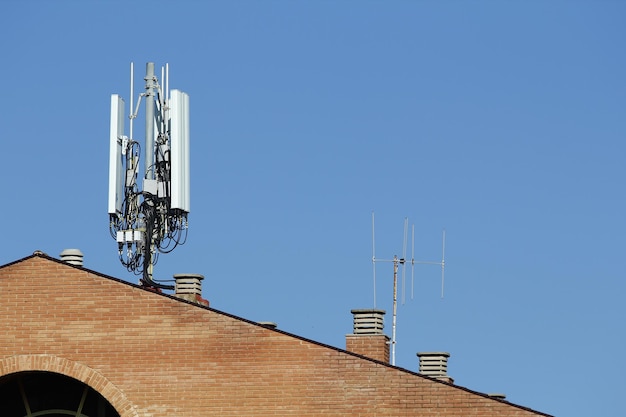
(56, 264)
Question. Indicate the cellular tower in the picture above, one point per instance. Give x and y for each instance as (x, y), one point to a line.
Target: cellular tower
(149, 216)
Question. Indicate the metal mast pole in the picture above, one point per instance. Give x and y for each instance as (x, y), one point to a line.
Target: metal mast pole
(395, 306)
(149, 246)
(150, 85)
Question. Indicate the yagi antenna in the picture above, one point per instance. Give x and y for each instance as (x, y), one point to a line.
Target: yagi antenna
(149, 216)
(403, 261)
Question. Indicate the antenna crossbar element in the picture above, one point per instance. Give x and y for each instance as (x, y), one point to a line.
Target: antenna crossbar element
(152, 219)
(441, 263)
(396, 263)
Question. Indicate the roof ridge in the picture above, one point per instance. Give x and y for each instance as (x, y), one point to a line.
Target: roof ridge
(43, 255)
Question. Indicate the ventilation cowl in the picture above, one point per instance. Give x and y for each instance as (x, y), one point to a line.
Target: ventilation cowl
(368, 321)
(72, 257)
(189, 287)
(435, 365)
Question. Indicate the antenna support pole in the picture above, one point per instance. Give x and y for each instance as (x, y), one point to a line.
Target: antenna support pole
(150, 85)
(396, 261)
(131, 115)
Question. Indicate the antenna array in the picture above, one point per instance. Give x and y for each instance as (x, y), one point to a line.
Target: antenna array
(403, 261)
(150, 217)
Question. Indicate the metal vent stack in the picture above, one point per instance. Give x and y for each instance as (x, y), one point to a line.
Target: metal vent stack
(434, 365)
(72, 257)
(189, 287)
(368, 321)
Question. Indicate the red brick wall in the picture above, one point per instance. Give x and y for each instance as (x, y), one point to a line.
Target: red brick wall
(375, 346)
(152, 355)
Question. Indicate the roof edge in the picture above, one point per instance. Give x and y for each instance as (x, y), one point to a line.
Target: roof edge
(41, 254)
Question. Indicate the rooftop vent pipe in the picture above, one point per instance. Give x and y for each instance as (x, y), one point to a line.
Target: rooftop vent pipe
(189, 287)
(435, 365)
(72, 257)
(368, 321)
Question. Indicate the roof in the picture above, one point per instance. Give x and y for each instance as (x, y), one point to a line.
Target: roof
(150, 301)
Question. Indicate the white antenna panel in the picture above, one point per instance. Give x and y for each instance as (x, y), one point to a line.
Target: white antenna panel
(150, 216)
(116, 190)
(179, 136)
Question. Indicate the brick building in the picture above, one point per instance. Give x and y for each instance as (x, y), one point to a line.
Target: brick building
(75, 341)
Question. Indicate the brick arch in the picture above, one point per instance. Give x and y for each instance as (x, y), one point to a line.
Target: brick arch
(76, 370)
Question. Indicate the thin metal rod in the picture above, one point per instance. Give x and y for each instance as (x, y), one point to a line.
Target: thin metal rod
(167, 82)
(428, 262)
(395, 310)
(149, 120)
(138, 104)
(163, 98)
(132, 98)
(374, 258)
(403, 260)
(443, 259)
(412, 258)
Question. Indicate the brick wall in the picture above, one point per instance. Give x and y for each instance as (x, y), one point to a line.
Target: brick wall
(152, 355)
(373, 346)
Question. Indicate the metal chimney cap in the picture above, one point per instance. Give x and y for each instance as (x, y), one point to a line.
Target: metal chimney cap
(198, 276)
(434, 364)
(368, 321)
(188, 285)
(72, 257)
(444, 354)
(71, 252)
(367, 310)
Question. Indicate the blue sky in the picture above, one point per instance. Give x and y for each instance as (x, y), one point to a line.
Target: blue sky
(502, 122)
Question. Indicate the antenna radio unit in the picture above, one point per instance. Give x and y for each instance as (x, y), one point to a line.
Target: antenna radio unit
(149, 217)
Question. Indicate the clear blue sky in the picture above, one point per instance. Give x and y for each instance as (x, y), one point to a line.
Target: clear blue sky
(502, 122)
